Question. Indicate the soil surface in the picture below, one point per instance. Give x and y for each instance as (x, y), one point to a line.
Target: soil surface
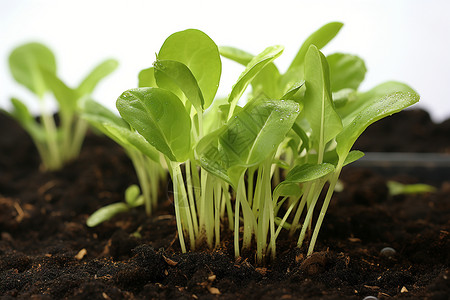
(47, 251)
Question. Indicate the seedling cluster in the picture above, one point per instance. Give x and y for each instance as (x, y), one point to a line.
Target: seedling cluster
(258, 168)
(34, 66)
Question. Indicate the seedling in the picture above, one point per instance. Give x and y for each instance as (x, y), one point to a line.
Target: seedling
(33, 65)
(146, 159)
(133, 198)
(295, 132)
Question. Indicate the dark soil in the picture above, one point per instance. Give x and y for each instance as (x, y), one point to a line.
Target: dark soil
(47, 251)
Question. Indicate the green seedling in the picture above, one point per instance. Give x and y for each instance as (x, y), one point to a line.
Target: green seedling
(396, 188)
(33, 65)
(276, 153)
(133, 198)
(146, 160)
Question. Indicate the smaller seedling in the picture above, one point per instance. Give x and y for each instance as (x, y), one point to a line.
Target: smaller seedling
(33, 65)
(133, 198)
(397, 188)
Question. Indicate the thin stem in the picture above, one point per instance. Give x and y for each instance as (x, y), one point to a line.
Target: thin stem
(176, 201)
(217, 202)
(300, 207)
(191, 195)
(286, 215)
(236, 215)
(323, 211)
(315, 197)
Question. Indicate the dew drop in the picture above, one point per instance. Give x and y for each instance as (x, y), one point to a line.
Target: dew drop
(388, 252)
(370, 298)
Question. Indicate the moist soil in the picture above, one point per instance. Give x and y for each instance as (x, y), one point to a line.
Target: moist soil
(47, 251)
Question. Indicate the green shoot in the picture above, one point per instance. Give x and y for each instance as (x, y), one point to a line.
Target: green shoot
(33, 65)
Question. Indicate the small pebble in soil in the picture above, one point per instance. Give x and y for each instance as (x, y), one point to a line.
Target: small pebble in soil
(388, 252)
(370, 298)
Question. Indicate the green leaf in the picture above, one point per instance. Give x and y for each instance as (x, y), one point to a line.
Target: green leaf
(21, 113)
(248, 138)
(258, 129)
(146, 78)
(374, 110)
(287, 189)
(291, 92)
(98, 112)
(105, 213)
(27, 62)
(358, 102)
(346, 71)
(130, 140)
(133, 196)
(180, 74)
(200, 54)
(117, 129)
(318, 105)
(236, 54)
(319, 38)
(253, 68)
(105, 68)
(397, 188)
(266, 81)
(308, 172)
(66, 97)
(160, 117)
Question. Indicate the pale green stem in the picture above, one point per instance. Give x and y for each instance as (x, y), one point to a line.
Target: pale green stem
(181, 197)
(300, 207)
(142, 175)
(209, 211)
(228, 205)
(316, 193)
(323, 211)
(176, 202)
(250, 176)
(217, 203)
(55, 159)
(236, 214)
(78, 137)
(190, 187)
(286, 215)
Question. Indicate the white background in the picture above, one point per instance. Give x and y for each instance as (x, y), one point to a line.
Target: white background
(404, 40)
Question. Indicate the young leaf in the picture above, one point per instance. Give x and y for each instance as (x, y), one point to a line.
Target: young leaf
(236, 54)
(360, 101)
(130, 139)
(27, 62)
(318, 105)
(105, 213)
(248, 138)
(146, 78)
(286, 189)
(23, 116)
(100, 113)
(308, 172)
(133, 196)
(160, 117)
(180, 74)
(253, 68)
(105, 68)
(67, 98)
(373, 111)
(117, 129)
(319, 38)
(265, 82)
(346, 71)
(200, 54)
